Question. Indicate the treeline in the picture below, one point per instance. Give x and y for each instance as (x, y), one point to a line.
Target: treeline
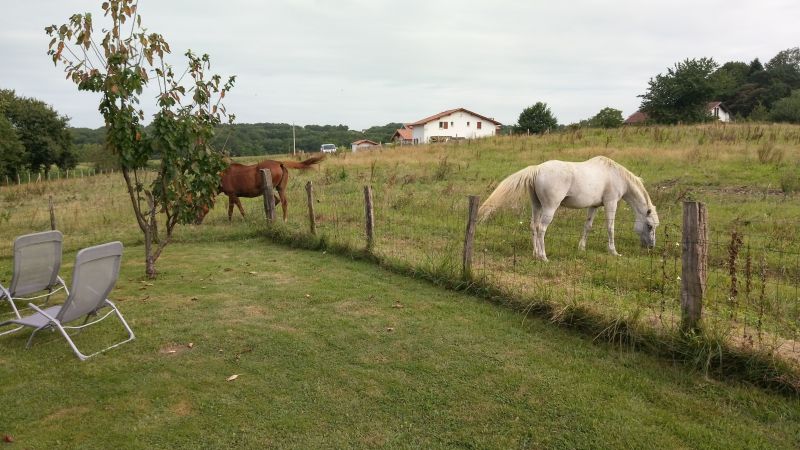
(33, 136)
(750, 91)
(247, 139)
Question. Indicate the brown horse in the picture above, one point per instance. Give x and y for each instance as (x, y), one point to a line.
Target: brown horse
(240, 180)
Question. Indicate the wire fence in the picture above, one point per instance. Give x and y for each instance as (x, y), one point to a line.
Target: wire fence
(752, 290)
(752, 285)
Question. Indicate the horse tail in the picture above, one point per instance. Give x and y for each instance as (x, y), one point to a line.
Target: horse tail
(512, 188)
(306, 164)
(284, 174)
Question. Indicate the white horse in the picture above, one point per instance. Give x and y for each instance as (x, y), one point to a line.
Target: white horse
(589, 184)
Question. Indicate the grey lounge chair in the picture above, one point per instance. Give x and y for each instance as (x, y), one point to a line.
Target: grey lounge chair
(37, 260)
(94, 275)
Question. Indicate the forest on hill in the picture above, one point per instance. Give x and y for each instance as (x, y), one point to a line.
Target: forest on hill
(246, 139)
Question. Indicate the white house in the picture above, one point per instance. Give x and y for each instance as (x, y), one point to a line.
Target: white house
(718, 110)
(457, 123)
(362, 144)
(715, 109)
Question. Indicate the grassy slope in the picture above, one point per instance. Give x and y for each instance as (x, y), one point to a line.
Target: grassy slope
(308, 334)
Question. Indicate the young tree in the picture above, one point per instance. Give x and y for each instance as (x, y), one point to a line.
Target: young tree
(119, 66)
(607, 118)
(536, 119)
(682, 94)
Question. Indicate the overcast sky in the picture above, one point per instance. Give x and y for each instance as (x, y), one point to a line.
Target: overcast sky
(371, 62)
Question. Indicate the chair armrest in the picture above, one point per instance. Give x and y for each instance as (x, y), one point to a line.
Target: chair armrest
(40, 311)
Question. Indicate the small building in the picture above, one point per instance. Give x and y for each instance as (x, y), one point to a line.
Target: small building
(456, 123)
(718, 110)
(715, 109)
(637, 118)
(403, 136)
(363, 144)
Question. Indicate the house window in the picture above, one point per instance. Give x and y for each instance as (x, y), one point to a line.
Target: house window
(467, 123)
(478, 124)
(442, 125)
(451, 124)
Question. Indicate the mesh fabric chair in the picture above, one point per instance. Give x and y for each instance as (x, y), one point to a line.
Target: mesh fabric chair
(37, 260)
(95, 273)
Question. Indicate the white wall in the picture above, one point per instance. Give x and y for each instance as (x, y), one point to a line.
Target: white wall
(456, 127)
(357, 147)
(720, 114)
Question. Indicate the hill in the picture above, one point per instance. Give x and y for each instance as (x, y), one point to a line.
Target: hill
(250, 139)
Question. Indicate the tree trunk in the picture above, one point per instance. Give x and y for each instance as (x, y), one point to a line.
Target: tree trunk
(149, 258)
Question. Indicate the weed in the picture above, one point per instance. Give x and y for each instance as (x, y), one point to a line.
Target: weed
(790, 180)
(769, 154)
(443, 169)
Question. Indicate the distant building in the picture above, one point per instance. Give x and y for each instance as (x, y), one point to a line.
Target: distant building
(457, 123)
(403, 136)
(636, 118)
(362, 144)
(715, 109)
(718, 110)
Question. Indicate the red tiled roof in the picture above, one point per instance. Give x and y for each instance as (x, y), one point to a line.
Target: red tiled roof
(637, 117)
(405, 133)
(448, 112)
(364, 141)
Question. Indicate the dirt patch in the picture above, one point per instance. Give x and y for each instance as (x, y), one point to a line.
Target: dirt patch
(181, 409)
(284, 328)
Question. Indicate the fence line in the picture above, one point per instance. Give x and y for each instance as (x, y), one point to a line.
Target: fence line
(752, 282)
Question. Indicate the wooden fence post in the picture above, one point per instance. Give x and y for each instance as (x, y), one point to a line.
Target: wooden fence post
(469, 237)
(370, 217)
(312, 218)
(52, 214)
(694, 263)
(269, 199)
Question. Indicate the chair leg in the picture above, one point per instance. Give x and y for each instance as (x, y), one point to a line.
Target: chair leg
(5, 294)
(30, 339)
(83, 357)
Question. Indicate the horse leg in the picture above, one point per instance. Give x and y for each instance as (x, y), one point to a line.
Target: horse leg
(587, 227)
(611, 212)
(545, 217)
(239, 204)
(230, 208)
(537, 236)
(283, 204)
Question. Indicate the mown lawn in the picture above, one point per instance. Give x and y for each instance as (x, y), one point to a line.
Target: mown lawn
(336, 353)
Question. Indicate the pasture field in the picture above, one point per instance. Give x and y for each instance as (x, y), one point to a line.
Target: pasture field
(748, 175)
(332, 352)
(335, 353)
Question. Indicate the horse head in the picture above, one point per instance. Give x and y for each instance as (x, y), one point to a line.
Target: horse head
(645, 226)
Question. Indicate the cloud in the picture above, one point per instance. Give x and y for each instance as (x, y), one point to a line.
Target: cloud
(364, 63)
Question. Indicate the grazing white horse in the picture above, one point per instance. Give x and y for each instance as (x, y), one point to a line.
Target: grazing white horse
(589, 184)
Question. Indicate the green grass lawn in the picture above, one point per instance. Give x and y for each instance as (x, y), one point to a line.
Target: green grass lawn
(338, 353)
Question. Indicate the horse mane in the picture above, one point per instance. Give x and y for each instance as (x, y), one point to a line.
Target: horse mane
(632, 179)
